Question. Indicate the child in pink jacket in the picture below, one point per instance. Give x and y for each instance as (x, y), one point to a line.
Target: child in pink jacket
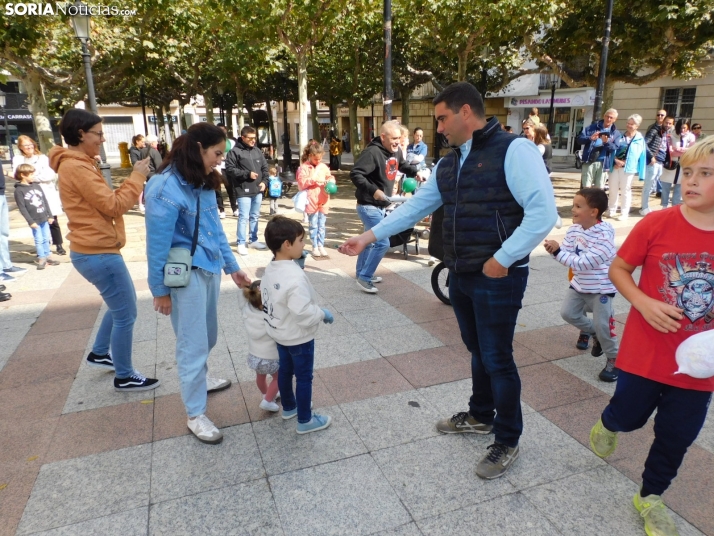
(313, 175)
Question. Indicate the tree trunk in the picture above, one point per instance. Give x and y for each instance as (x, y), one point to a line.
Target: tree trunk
(406, 100)
(166, 109)
(463, 61)
(239, 105)
(333, 121)
(160, 120)
(273, 137)
(208, 101)
(38, 109)
(183, 124)
(355, 141)
(301, 58)
(313, 119)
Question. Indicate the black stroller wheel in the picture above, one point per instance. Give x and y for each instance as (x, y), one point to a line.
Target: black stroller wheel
(440, 282)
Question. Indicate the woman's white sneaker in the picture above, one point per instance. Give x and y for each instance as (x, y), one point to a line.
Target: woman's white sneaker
(205, 430)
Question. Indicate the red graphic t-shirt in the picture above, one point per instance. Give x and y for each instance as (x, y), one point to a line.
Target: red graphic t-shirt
(677, 262)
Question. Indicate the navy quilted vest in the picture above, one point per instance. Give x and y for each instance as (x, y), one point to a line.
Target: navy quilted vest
(480, 212)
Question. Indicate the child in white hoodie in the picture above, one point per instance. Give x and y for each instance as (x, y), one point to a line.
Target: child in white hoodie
(262, 350)
(292, 316)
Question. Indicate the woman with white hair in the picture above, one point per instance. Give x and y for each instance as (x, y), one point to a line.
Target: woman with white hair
(630, 160)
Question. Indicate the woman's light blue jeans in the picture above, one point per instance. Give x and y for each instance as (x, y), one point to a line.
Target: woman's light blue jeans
(108, 273)
(194, 317)
(248, 209)
(317, 228)
(372, 255)
(676, 190)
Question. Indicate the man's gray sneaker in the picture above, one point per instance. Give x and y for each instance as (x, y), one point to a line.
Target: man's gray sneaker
(496, 461)
(461, 423)
(366, 286)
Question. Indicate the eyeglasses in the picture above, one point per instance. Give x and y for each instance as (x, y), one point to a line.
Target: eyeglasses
(661, 115)
(696, 128)
(249, 138)
(100, 134)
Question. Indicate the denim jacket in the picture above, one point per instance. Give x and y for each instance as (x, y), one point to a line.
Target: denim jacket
(170, 221)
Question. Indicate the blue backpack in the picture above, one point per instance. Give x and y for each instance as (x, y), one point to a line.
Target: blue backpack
(275, 187)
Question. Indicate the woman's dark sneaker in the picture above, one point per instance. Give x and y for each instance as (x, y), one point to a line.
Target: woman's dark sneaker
(100, 361)
(597, 349)
(583, 341)
(135, 382)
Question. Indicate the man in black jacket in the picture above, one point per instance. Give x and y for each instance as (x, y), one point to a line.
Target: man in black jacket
(247, 169)
(653, 140)
(373, 174)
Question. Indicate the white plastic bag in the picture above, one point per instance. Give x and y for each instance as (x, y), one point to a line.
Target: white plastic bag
(300, 201)
(695, 356)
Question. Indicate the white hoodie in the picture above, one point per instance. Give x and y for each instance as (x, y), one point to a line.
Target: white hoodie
(290, 307)
(259, 342)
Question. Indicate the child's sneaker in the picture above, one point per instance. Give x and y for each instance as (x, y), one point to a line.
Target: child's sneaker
(135, 382)
(657, 520)
(603, 442)
(52, 262)
(205, 430)
(597, 349)
(100, 361)
(583, 341)
(270, 406)
(609, 373)
(318, 422)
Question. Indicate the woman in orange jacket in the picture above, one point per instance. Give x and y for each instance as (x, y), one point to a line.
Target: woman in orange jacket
(313, 175)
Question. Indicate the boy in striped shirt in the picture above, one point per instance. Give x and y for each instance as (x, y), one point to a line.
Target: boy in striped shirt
(588, 249)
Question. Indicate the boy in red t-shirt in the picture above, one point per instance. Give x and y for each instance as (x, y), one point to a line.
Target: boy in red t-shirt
(674, 300)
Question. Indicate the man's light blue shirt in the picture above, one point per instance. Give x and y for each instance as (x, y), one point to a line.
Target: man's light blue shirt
(527, 180)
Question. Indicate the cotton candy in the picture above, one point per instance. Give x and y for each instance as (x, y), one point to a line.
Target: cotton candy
(695, 356)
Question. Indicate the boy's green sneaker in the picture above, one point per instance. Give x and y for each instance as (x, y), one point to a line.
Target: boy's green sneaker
(603, 442)
(657, 521)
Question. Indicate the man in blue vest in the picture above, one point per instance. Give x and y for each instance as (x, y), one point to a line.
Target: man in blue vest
(498, 206)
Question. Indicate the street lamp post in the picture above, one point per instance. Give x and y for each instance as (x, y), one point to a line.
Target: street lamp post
(3, 101)
(140, 81)
(287, 173)
(220, 94)
(597, 108)
(82, 31)
(554, 79)
(388, 92)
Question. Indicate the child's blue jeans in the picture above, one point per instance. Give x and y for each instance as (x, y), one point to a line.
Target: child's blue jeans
(317, 228)
(680, 417)
(42, 239)
(297, 361)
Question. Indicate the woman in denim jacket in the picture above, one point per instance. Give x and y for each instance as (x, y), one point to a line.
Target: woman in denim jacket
(172, 197)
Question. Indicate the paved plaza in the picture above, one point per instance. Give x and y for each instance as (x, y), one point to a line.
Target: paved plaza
(78, 458)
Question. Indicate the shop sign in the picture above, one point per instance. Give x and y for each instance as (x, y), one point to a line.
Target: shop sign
(574, 99)
(16, 117)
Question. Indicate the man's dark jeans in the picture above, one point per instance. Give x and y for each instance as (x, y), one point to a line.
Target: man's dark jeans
(486, 310)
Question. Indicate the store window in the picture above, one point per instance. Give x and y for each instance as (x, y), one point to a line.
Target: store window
(679, 102)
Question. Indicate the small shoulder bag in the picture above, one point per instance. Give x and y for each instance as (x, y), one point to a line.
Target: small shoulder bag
(177, 270)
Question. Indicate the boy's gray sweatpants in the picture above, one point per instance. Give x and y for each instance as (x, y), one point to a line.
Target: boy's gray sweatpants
(602, 324)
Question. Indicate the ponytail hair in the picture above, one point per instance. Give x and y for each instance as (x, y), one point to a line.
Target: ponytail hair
(252, 294)
(313, 148)
(185, 156)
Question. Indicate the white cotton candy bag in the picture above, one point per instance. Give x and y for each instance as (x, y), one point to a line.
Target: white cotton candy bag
(695, 356)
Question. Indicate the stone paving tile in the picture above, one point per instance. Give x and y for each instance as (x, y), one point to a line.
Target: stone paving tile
(53, 324)
(373, 319)
(94, 388)
(127, 523)
(30, 441)
(183, 466)
(347, 497)
(426, 310)
(28, 297)
(17, 480)
(551, 343)
(283, 450)
(410, 529)
(110, 428)
(34, 402)
(245, 509)
(586, 367)
(401, 341)
(432, 366)
(359, 381)
(345, 349)
(706, 436)
(568, 504)
(219, 366)
(170, 417)
(545, 386)
(548, 454)
(39, 345)
(71, 491)
(356, 300)
(577, 418)
(392, 419)
(423, 475)
(20, 372)
(489, 518)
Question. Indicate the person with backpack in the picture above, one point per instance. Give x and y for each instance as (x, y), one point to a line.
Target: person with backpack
(275, 189)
